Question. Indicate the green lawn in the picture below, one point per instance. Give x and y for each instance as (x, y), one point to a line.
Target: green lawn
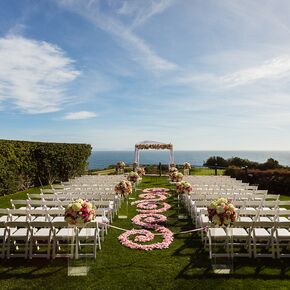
(205, 171)
(184, 265)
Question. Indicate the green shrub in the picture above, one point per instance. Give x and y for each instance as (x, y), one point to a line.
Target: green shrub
(275, 180)
(25, 164)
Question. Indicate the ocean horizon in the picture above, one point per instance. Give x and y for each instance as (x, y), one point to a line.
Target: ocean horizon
(102, 159)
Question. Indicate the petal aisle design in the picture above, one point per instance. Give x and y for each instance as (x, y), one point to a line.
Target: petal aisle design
(150, 207)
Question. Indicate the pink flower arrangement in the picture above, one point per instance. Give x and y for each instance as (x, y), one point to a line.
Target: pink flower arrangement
(149, 219)
(157, 146)
(79, 212)
(171, 170)
(120, 165)
(141, 171)
(147, 205)
(165, 207)
(183, 187)
(148, 236)
(221, 212)
(124, 188)
(153, 197)
(133, 177)
(176, 176)
(154, 190)
(186, 165)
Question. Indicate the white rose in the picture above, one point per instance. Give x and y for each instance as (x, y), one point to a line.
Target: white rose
(220, 209)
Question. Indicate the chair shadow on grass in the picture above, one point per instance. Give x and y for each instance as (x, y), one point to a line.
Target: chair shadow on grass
(27, 269)
(199, 265)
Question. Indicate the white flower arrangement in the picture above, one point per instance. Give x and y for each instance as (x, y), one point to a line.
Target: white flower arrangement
(221, 212)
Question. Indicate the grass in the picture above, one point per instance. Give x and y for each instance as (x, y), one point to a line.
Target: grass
(185, 265)
(205, 171)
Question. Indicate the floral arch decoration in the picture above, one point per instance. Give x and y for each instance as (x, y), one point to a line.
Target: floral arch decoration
(153, 145)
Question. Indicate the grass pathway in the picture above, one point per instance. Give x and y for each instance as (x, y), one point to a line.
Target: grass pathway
(183, 266)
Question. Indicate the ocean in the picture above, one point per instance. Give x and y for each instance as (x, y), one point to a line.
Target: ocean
(102, 159)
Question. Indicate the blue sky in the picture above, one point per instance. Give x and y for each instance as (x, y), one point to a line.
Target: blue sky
(204, 75)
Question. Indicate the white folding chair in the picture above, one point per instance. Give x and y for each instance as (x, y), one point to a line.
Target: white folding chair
(16, 202)
(88, 236)
(4, 214)
(18, 236)
(102, 221)
(64, 236)
(282, 238)
(41, 236)
(3, 239)
(218, 242)
(262, 234)
(240, 237)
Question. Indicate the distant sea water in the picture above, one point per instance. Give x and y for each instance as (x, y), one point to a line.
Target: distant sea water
(102, 159)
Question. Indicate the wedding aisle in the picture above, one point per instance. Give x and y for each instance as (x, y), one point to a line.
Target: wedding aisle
(150, 205)
(184, 264)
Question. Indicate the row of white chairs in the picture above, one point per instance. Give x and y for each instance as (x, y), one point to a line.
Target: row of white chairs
(263, 221)
(49, 239)
(107, 205)
(197, 206)
(113, 198)
(48, 214)
(255, 238)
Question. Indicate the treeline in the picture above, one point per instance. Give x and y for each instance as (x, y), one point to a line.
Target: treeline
(25, 164)
(239, 162)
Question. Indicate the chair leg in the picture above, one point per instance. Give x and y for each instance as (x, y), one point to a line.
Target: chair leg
(278, 249)
(273, 248)
(48, 248)
(8, 248)
(249, 247)
(210, 247)
(31, 249)
(255, 248)
(77, 248)
(99, 241)
(26, 249)
(54, 249)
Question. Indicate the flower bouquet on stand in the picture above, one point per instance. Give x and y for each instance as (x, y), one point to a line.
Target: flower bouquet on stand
(171, 170)
(79, 214)
(186, 168)
(176, 176)
(124, 189)
(134, 178)
(140, 171)
(221, 214)
(120, 167)
(183, 188)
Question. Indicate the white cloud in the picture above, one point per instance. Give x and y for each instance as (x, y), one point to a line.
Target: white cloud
(271, 69)
(34, 74)
(80, 115)
(139, 50)
(142, 11)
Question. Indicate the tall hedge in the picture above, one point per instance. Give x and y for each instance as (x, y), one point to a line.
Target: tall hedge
(24, 164)
(276, 181)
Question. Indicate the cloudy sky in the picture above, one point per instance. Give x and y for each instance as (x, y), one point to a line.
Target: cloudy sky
(204, 75)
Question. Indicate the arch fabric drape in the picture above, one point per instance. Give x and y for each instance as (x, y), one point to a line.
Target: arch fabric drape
(137, 156)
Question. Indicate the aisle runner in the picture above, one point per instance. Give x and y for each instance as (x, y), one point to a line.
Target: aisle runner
(149, 217)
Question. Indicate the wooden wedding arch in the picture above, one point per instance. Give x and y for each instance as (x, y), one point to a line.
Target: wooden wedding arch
(153, 145)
